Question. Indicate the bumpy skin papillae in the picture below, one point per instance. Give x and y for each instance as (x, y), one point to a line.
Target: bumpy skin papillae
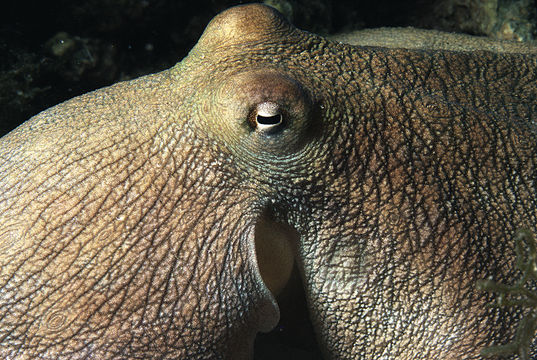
(127, 214)
(125, 235)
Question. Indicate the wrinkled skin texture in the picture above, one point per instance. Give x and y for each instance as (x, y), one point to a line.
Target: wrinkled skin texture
(127, 215)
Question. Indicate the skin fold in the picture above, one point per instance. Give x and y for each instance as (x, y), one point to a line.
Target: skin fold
(392, 177)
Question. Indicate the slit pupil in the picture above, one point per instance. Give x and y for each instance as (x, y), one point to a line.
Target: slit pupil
(269, 120)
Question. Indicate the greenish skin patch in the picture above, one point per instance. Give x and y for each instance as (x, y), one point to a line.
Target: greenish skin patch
(393, 178)
(521, 294)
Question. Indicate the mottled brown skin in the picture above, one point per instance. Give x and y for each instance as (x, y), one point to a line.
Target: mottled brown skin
(127, 215)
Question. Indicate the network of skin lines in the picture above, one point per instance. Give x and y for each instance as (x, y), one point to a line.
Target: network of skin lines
(160, 218)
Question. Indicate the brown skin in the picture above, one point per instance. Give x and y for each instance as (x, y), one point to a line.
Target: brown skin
(397, 179)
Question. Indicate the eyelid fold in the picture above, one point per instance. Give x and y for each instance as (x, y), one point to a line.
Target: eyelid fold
(263, 111)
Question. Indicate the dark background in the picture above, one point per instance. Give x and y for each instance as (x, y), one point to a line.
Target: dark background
(51, 51)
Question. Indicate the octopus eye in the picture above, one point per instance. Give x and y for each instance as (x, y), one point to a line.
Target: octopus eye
(267, 117)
